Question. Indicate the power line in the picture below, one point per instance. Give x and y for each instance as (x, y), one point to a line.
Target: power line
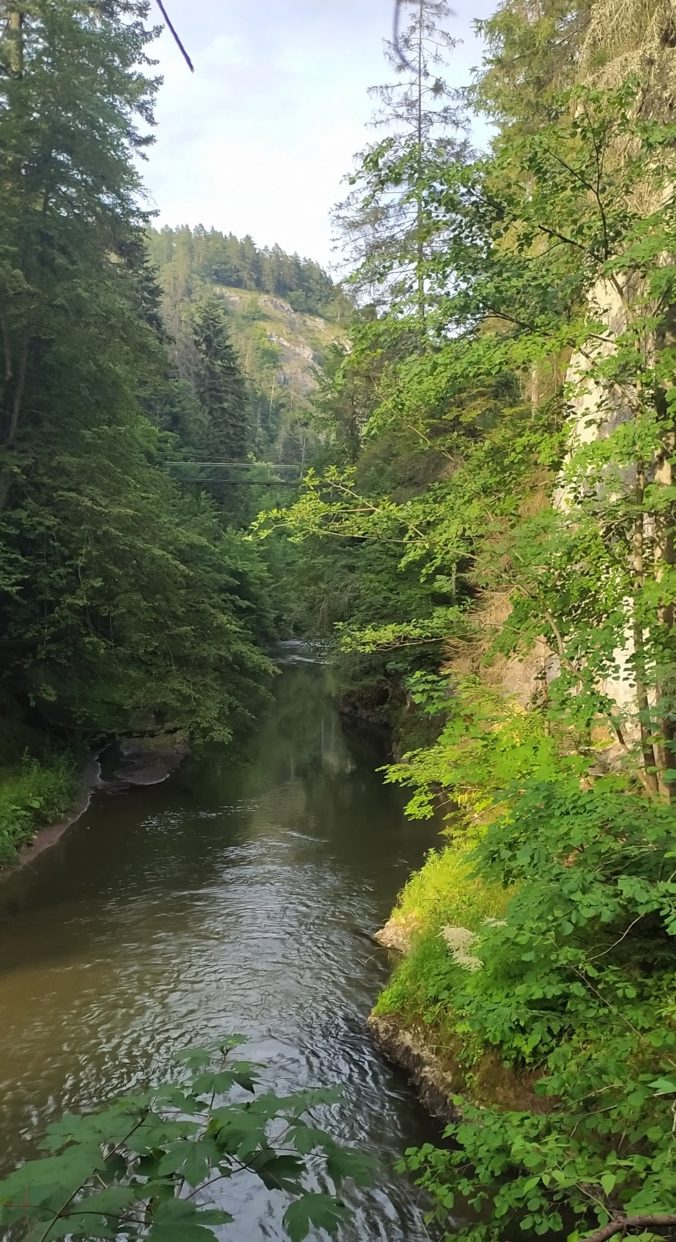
(176, 36)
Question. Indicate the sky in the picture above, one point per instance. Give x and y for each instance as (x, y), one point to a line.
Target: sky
(259, 139)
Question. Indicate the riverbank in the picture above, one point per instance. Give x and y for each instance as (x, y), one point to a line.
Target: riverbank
(40, 797)
(536, 970)
(231, 898)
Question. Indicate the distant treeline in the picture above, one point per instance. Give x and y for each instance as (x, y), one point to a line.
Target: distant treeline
(223, 259)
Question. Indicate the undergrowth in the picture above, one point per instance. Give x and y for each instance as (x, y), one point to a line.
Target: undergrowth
(445, 893)
(33, 794)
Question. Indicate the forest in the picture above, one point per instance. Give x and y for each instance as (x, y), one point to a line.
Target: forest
(220, 259)
(482, 539)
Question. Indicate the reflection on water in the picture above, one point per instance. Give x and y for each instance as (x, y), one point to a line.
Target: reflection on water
(234, 897)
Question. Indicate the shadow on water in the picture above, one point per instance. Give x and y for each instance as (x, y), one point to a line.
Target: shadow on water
(237, 896)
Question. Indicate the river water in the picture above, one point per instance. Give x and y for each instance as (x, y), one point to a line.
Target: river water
(237, 896)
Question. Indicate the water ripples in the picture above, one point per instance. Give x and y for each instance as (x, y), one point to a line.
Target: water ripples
(231, 898)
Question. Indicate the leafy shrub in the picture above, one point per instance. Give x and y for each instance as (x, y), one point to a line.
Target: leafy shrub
(144, 1165)
(577, 984)
(34, 794)
(446, 891)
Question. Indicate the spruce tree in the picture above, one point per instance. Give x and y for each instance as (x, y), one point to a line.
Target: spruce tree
(219, 384)
(388, 234)
(96, 542)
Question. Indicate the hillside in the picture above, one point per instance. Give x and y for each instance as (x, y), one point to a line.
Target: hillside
(282, 352)
(283, 314)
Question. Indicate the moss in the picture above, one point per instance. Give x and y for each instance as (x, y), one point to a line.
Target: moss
(445, 892)
(435, 1056)
(422, 996)
(423, 983)
(32, 794)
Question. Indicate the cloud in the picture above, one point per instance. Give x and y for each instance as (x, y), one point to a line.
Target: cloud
(259, 139)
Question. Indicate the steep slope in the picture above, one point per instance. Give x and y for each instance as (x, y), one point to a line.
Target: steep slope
(283, 316)
(282, 352)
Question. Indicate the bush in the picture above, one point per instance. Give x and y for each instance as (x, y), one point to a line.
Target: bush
(144, 1166)
(444, 893)
(576, 987)
(32, 795)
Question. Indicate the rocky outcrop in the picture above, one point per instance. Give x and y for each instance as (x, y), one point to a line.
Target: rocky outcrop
(149, 760)
(434, 1064)
(398, 933)
(406, 1049)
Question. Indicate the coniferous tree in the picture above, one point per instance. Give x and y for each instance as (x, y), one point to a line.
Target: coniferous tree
(383, 223)
(96, 543)
(219, 384)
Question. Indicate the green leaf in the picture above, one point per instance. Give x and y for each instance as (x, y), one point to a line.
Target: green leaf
(663, 1086)
(178, 1220)
(347, 1162)
(319, 1210)
(194, 1158)
(279, 1172)
(308, 1138)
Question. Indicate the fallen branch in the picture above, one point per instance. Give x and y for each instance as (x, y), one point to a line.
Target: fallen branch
(662, 1220)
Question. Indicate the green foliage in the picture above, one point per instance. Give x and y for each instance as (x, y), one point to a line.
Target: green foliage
(34, 794)
(569, 893)
(485, 745)
(447, 890)
(532, 52)
(217, 259)
(538, 386)
(389, 235)
(577, 980)
(523, 280)
(579, 941)
(219, 386)
(121, 597)
(146, 1165)
(248, 373)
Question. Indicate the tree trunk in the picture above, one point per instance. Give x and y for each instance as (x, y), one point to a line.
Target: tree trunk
(665, 558)
(15, 42)
(642, 701)
(420, 248)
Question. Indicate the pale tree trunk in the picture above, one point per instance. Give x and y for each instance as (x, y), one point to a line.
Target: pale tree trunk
(420, 248)
(665, 747)
(642, 700)
(15, 42)
(665, 706)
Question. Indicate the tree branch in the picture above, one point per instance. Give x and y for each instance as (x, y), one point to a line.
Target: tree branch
(663, 1220)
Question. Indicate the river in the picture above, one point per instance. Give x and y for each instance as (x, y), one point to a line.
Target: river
(238, 896)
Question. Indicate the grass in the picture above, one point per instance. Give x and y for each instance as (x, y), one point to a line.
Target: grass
(444, 893)
(32, 794)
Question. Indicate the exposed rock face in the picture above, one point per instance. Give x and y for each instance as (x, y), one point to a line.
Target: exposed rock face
(397, 933)
(300, 339)
(149, 761)
(595, 413)
(435, 1070)
(404, 1048)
